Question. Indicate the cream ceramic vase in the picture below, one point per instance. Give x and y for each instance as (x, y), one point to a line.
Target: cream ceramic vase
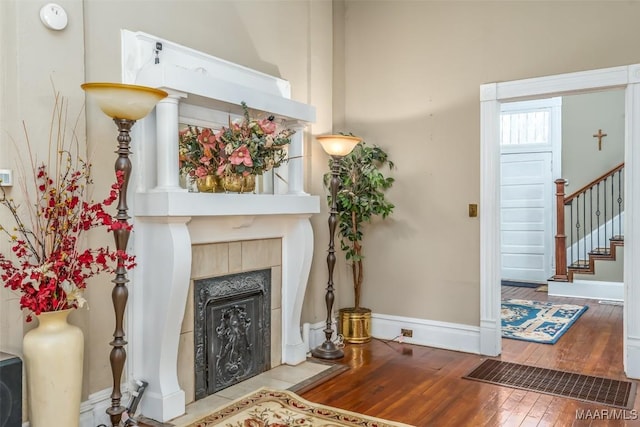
(53, 356)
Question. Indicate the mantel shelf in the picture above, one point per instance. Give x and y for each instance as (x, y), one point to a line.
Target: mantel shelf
(218, 94)
(183, 203)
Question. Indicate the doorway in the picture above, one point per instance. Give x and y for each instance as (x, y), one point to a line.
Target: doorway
(492, 96)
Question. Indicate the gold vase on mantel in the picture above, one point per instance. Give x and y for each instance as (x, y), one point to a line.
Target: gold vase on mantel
(207, 184)
(238, 183)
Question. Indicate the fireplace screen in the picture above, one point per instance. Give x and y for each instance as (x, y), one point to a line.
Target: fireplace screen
(232, 329)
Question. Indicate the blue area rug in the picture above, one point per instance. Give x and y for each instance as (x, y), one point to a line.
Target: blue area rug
(542, 322)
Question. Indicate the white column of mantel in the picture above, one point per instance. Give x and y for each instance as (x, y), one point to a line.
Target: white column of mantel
(297, 251)
(296, 162)
(167, 141)
(166, 265)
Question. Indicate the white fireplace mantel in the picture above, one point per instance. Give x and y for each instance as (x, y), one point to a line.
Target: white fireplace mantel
(168, 220)
(213, 205)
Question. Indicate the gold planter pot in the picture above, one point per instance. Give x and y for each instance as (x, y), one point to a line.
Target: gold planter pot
(207, 184)
(238, 183)
(355, 325)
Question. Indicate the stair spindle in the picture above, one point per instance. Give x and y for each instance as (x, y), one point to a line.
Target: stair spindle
(604, 203)
(584, 226)
(598, 212)
(620, 203)
(612, 208)
(591, 216)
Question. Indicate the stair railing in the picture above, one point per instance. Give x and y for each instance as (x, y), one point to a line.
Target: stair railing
(590, 213)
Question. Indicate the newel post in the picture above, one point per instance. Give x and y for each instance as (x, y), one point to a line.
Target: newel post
(561, 238)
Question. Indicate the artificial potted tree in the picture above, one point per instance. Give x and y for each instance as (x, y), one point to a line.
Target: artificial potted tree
(360, 198)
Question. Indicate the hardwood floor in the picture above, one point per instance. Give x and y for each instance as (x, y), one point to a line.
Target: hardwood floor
(423, 386)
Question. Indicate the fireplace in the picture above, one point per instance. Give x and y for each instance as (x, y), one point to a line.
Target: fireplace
(171, 224)
(232, 331)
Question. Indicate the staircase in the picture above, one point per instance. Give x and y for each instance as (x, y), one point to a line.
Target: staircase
(593, 216)
(588, 266)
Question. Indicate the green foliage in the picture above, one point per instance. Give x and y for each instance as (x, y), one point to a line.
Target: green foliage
(360, 198)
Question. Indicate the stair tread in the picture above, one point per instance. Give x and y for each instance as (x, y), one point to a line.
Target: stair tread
(581, 263)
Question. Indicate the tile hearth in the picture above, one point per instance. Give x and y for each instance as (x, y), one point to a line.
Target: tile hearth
(281, 377)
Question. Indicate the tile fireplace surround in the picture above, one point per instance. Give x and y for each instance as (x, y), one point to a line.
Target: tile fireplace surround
(169, 221)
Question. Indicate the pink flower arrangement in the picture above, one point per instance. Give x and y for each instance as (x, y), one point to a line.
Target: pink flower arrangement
(251, 146)
(47, 265)
(197, 151)
(245, 147)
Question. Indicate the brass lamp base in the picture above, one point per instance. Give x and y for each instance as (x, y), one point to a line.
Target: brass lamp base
(355, 325)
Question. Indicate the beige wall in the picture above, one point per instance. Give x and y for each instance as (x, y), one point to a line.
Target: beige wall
(412, 76)
(582, 162)
(10, 338)
(582, 116)
(35, 62)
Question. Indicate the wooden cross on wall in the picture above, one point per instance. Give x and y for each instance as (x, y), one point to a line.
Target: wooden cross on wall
(599, 135)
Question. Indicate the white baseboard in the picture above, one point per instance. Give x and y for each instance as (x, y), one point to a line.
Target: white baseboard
(632, 362)
(316, 333)
(431, 333)
(93, 411)
(589, 289)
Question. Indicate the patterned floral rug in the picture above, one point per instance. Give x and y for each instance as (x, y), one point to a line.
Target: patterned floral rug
(271, 408)
(536, 321)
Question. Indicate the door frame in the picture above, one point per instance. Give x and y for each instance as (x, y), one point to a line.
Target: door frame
(491, 96)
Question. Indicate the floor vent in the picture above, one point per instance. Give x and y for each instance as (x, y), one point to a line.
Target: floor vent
(587, 388)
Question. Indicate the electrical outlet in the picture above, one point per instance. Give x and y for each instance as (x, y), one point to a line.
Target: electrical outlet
(406, 332)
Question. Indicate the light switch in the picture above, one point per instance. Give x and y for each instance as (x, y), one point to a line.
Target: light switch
(473, 210)
(6, 177)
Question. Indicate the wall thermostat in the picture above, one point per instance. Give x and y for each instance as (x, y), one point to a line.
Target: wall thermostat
(53, 16)
(6, 177)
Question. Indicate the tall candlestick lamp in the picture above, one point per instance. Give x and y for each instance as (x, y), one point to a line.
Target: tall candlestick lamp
(337, 146)
(124, 104)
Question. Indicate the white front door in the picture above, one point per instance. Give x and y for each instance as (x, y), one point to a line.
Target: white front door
(526, 212)
(530, 144)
